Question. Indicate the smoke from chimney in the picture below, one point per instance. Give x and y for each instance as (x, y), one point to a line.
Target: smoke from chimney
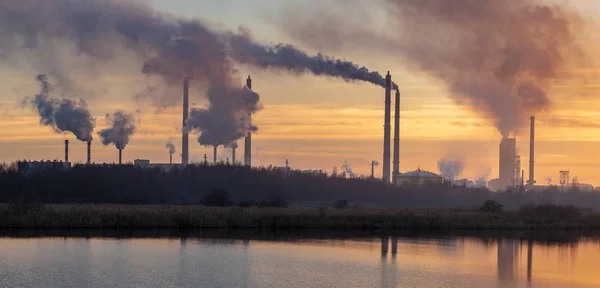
(451, 167)
(348, 170)
(122, 126)
(171, 147)
(63, 115)
(498, 57)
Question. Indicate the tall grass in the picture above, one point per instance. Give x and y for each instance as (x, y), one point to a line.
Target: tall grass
(170, 216)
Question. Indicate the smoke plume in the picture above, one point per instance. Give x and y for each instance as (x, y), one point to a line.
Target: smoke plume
(233, 145)
(348, 170)
(171, 147)
(122, 126)
(228, 116)
(498, 57)
(63, 115)
(450, 168)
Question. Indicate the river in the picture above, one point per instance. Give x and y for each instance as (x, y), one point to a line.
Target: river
(294, 259)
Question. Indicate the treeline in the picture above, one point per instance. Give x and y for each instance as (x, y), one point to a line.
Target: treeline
(240, 185)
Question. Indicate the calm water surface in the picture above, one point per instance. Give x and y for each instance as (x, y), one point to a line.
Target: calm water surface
(366, 261)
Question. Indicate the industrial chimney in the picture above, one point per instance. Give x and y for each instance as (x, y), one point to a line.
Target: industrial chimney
(120, 156)
(170, 158)
(233, 155)
(66, 150)
(386, 129)
(396, 170)
(531, 181)
(185, 136)
(89, 152)
(215, 155)
(248, 139)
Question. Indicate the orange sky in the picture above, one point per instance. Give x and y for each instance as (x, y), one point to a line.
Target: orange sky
(318, 123)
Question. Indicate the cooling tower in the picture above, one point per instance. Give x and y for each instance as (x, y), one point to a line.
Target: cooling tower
(531, 181)
(89, 152)
(396, 170)
(248, 139)
(185, 134)
(508, 153)
(386, 129)
(66, 150)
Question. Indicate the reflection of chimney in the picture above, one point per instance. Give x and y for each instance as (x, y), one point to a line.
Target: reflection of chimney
(531, 181)
(120, 156)
(185, 135)
(215, 156)
(386, 129)
(396, 170)
(66, 150)
(89, 152)
(248, 139)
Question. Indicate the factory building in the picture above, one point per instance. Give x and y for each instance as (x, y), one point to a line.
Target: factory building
(145, 164)
(27, 167)
(418, 178)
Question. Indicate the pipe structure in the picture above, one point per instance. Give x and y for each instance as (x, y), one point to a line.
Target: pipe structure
(215, 155)
(66, 150)
(185, 134)
(396, 170)
(531, 181)
(248, 139)
(89, 152)
(386, 129)
(120, 156)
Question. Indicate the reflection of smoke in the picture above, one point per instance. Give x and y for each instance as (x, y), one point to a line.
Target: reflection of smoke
(450, 168)
(499, 57)
(122, 126)
(171, 147)
(226, 119)
(61, 114)
(348, 170)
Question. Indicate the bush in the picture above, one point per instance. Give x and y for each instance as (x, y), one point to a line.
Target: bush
(491, 206)
(276, 202)
(341, 204)
(551, 211)
(218, 197)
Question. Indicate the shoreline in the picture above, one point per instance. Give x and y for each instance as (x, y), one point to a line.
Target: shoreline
(117, 216)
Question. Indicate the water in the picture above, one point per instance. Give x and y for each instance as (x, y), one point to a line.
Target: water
(292, 259)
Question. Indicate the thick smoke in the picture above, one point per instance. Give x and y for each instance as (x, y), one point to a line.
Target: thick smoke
(498, 57)
(171, 147)
(122, 126)
(233, 145)
(164, 46)
(61, 114)
(450, 168)
(228, 116)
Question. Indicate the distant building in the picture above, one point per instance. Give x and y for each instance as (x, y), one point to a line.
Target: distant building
(145, 164)
(418, 178)
(27, 167)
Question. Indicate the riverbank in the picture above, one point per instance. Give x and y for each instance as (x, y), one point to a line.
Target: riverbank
(185, 217)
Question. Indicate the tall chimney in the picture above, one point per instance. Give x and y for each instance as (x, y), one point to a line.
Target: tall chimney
(66, 150)
(215, 156)
(185, 137)
(248, 139)
(396, 170)
(386, 129)
(233, 156)
(531, 181)
(89, 152)
(120, 156)
(170, 158)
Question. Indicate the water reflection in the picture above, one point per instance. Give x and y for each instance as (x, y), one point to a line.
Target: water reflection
(294, 259)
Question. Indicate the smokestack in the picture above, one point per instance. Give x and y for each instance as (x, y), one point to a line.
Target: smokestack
(372, 169)
(89, 152)
(396, 170)
(170, 158)
(185, 136)
(531, 181)
(215, 156)
(233, 156)
(386, 129)
(120, 156)
(66, 150)
(248, 139)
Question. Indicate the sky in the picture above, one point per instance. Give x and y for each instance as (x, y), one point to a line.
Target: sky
(319, 123)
